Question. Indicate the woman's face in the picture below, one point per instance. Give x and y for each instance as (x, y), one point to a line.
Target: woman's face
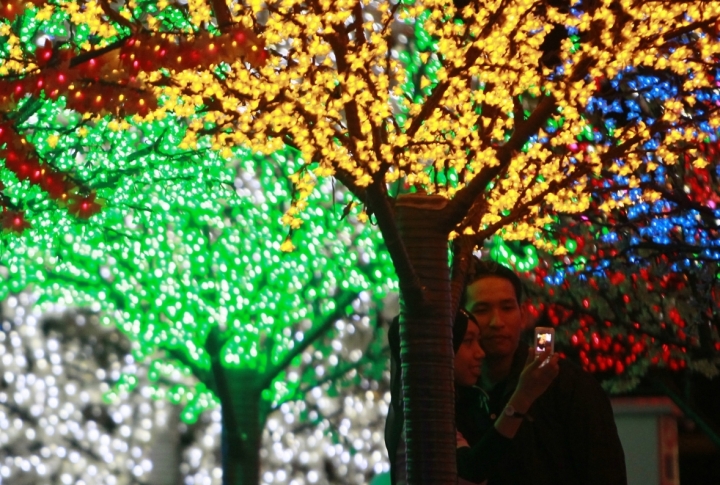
(469, 357)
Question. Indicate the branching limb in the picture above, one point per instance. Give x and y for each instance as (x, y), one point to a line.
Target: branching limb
(115, 16)
(308, 340)
(201, 374)
(462, 256)
(378, 202)
(222, 14)
(340, 372)
(459, 206)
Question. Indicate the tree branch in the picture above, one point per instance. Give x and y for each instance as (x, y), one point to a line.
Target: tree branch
(95, 53)
(348, 180)
(351, 108)
(201, 374)
(308, 340)
(462, 255)
(222, 14)
(329, 378)
(115, 16)
(379, 204)
(459, 206)
(665, 249)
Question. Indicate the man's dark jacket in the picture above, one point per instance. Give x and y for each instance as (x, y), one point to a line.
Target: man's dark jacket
(569, 437)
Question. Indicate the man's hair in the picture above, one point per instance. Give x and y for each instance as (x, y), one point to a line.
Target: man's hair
(482, 268)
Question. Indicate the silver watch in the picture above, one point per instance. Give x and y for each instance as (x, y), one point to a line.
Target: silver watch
(512, 412)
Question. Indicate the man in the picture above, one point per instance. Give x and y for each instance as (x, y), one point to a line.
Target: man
(568, 435)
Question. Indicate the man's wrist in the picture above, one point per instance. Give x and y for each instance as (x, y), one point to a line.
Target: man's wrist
(520, 403)
(511, 412)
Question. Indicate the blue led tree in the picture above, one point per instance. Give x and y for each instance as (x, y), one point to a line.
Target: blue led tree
(632, 282)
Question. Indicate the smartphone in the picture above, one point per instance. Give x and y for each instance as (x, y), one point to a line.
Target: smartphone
(544, 340)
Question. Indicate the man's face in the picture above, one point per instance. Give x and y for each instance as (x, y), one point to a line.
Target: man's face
(469, 357)
(493, 302)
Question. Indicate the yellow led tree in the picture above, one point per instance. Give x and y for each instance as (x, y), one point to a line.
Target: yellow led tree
(480, 138)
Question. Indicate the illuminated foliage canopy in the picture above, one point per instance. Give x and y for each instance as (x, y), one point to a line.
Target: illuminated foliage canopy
(182, 249)
(634, 291)
(178, 267)
(621, 315)
(634, 284)
(324, 82)
(192, 265)
(501, 92)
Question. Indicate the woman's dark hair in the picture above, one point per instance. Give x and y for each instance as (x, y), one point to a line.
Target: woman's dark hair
(460, 327)
(482, 268)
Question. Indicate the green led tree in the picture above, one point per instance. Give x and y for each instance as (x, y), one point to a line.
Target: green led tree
(485, 143)
(209, 284)
(193, 266)
(323, 438)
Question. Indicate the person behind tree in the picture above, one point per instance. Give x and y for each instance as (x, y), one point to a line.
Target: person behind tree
(491, 444)
(568, 434)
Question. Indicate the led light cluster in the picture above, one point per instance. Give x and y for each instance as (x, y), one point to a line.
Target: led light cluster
(55, 427)
(59, 186)
(627, 279)
(435, 116)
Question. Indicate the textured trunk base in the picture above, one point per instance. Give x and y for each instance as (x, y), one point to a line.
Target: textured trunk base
(426, 345)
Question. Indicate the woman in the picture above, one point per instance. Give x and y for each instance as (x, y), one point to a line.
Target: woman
(480, 444)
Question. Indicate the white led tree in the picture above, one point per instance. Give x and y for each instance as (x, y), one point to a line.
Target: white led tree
(55, 426)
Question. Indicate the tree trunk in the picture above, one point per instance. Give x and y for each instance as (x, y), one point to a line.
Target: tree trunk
(165, 453)
(426, 344)
(242, 426)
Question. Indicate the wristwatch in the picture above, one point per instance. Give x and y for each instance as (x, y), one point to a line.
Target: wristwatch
(511, 412)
